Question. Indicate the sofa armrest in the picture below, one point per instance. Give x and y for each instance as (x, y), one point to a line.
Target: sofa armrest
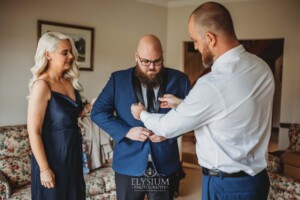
(283, 183)
(5, 190)
(274, 164)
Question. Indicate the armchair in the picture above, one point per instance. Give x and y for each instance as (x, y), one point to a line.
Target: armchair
(283, 169)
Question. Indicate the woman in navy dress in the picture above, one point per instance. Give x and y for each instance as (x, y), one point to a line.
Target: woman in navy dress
(53, 109)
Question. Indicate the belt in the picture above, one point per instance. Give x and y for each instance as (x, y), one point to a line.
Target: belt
(215, 172)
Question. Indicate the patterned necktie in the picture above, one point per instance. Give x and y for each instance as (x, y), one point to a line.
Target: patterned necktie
(151, 100)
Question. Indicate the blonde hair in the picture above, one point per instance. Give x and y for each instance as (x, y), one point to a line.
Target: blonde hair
(48, 43)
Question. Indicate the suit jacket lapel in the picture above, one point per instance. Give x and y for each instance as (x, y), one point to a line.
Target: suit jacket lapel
(137, 90)
(161, 91)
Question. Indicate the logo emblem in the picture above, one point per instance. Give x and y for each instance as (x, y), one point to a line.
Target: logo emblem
(150, 172)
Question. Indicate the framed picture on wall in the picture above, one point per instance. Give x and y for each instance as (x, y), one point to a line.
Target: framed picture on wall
(83, 37)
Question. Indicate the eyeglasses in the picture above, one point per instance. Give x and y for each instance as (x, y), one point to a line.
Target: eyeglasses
(147, 63)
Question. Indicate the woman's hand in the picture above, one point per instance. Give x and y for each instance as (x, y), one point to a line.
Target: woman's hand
(47, 178)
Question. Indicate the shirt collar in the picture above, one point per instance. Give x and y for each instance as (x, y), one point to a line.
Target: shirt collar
(228, 55)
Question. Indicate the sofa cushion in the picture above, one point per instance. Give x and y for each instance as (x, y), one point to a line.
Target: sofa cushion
(5, 189)
(100, 181)
(284, 183)
(108, 175)
(23, 193)
(14, 141)
(15, 155)
(106, 196)
(274, 164)
(94, 185)
(16, 170)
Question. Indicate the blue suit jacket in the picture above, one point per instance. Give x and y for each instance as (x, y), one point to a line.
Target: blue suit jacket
(112, 113)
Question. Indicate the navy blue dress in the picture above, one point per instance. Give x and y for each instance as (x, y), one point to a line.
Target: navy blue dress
(63, 146)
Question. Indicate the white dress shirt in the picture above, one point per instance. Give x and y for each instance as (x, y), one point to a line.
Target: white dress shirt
(144, 91)
(230, 110)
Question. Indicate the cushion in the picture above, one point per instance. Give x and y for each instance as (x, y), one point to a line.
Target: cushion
(108, 175)
(284, 183)
(14, 141)
(94, 185)
(107, 196)
(294, 135)
(16, 170)
(23, 193)
(274, 164)
(100, 181)
(5, 190)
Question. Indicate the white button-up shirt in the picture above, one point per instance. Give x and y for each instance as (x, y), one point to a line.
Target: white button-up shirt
(230, 110)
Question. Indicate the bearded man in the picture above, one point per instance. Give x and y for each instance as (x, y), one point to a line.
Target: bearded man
(144, 163)
(229, 109)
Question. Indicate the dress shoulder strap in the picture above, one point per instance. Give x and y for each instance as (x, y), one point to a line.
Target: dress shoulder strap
(44, 81)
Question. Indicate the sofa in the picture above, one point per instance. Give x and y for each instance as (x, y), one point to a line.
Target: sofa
(283, 169)
(15, 156)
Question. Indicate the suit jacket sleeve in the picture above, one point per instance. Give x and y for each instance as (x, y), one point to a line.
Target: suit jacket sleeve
(103, 113)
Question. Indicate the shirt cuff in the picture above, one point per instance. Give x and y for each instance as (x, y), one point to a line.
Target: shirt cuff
(144, 115)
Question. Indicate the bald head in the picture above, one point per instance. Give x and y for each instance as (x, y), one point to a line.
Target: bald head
(149, 45)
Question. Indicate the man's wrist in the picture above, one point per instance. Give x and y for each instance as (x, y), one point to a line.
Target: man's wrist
(141, 114)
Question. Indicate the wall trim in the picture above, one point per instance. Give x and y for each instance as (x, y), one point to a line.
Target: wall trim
(285, 125)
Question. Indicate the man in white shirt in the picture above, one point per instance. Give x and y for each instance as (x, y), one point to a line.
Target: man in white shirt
(230, 110)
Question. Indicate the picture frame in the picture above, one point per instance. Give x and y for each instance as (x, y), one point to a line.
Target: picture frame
(83, 37)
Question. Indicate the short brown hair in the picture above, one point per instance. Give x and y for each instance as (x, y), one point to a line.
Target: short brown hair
(214, 17)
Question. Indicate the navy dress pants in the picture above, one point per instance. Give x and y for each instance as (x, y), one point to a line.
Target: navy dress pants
(236, 188)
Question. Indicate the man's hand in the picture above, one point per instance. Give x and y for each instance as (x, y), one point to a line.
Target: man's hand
(156, 138)
(93, 101)
(169, 101)
(138, 134)
(136, 110)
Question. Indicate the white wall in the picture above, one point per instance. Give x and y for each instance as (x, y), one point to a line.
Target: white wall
(254, 20)
(118, 27)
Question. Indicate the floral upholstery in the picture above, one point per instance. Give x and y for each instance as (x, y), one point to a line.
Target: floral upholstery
(294, 135)
(5, 190)
(23, 193)
(106, 196)
(15, 169)
(14, 141)
(15, 155)
(274, 163)
(108, 177)
(101, 182)
(282, 187)
(287, 188)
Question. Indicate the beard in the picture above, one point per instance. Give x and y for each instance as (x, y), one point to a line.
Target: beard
(150, 81)
(207, 58)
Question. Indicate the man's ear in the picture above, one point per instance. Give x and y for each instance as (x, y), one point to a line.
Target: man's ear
(136, 57)
(211, 39)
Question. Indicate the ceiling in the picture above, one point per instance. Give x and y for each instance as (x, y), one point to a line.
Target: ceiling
(175, 3)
